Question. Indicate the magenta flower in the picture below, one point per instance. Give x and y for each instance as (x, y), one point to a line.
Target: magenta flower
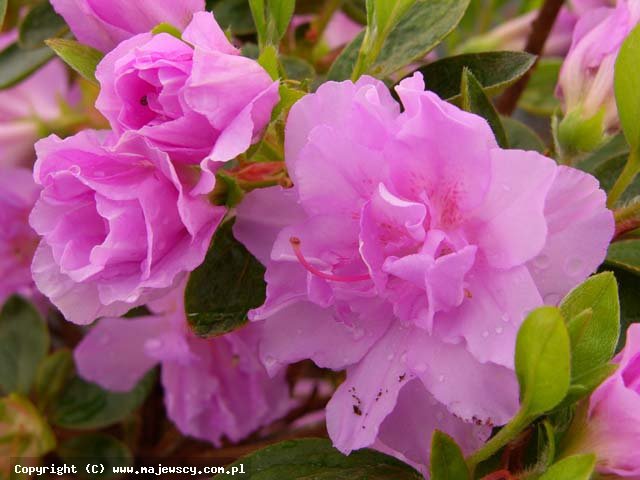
(195, 98)
(586, 78)
(18, 241)
(103, 25)
(611, 429)
(213, 388)
(119, 224)
(408, 253)
(27, 107)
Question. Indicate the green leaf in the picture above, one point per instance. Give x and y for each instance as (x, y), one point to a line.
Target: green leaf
(601, 157)
(24, 342)
(625, 254)
(475, 101)
(520, 136)
(315, 458)
(628, 287)
(627, 86)
(539, 97)
(577, 467)
(82, 58)
(494, 70)
(298, 69)
(165, 27)
(222, 290)
(259, 19)
(596, 343)
(543, 360)
(447, 461)
(281, 12)
(42, 22)
(95, 449)
(17, 63)
(3, 11)
(234, 15)
(23, 431)
(53, 375)
(84, 405)
(268, 59)
(418, 32)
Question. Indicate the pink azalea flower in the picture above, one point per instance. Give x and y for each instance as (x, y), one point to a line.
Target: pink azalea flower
(195, 98)
(612, 427)
(119, 224)
(586, 79)
(103, 25)
(25, 107)
(18, 241)
(213, 388)
(408, 252)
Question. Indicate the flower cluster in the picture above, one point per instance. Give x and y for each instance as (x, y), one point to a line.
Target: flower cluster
(405, 236)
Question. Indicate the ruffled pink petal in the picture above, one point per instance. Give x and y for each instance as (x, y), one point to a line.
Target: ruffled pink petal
(579, 230)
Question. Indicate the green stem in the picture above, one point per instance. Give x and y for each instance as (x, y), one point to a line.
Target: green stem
(627, 175)
(510, 431)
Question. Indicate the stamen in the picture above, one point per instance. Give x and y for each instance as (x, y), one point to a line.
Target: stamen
(295, 243)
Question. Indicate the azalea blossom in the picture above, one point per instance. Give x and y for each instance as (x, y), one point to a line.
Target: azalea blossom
(18, 241)
(408, 253)
(193, 97)
(214, 388)
(103, 25)
(120, 224)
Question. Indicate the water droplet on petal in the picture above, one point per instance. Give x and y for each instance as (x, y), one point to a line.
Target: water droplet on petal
(574, 267)
(269, 361)
(75, 169)
(358, 333)
(505, 318)
(552, 299)
(541, 262)
(403, 358)
(441, 378)
(104, 339)
(485, 334)
(390, 357)
(421, 367)
(498, 330)
(153, 344)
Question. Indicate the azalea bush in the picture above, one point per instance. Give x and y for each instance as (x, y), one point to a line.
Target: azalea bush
(381, 239)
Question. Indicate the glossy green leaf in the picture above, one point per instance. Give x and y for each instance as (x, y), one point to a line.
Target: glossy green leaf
(627, 86)
(520, 136)
(475, 101)
(53, 375)
(419, 31)
(625, 254)
(577, 467)
(268, 59)
(315, 458)
(84, 405)
(543, 360)
(298, 69)
(24, 342)
(222, 290)
(494, 70)
(95, 449)
(42, 22)
(539, 97)
(82, 58)
(17, 63)
(447, 461)
(259, 19)
(595, 344)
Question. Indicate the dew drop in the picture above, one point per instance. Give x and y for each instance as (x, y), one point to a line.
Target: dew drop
(498, 330)
(153, 344)
(573, 267)
(269, 361)
(506, 187)
(441, 378)
(75, 169)
(390, 357)
(358, 333)
(541, 262)
(421, 367)
(505, 318)
(485, 334)
(403, 358)
(104, 339)
(552, 299)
